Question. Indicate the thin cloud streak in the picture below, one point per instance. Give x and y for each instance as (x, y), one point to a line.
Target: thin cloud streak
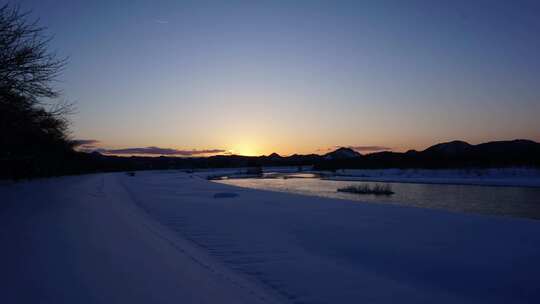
(160, 151)
(84, 142)
(356, 148)
(369, 148)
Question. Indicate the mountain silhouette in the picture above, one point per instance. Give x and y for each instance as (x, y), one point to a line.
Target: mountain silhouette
(342, 153)
(453, 148)
(454, 154)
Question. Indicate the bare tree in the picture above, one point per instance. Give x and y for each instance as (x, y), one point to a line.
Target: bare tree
(33, 132)
(27, 68)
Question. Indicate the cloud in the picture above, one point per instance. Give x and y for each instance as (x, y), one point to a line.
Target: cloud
(84, 142)
(356, 148)
(160, 151)
(161, 21)
(369, 148)
(91, 145)
(85, 145)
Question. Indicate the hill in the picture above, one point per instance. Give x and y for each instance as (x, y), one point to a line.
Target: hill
(455, 154)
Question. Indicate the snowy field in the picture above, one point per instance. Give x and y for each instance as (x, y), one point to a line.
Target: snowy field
(82, 239)
(169, 237)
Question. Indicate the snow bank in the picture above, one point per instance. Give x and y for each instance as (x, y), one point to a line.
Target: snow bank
(83, 240)
(524, 177)
(165, 237)
(318, 250)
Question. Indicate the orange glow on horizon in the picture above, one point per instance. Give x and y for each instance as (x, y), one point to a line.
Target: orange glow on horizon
(245, 150)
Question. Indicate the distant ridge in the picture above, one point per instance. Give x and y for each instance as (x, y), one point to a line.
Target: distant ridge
(453, 154)
(275, 156)
(342, 153)
(452, 148)
(461, 148)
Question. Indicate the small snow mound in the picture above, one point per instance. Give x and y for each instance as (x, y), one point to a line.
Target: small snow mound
(225, 195)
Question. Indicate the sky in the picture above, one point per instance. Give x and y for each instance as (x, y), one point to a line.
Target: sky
(256, 77)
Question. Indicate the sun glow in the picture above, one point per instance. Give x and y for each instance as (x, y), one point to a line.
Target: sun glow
(245, 150)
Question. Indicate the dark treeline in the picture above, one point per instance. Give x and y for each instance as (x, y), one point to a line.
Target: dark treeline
(33, 125)
(441, 156)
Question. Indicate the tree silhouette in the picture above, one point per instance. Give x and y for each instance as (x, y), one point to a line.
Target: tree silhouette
(33, 134)
(27, 68)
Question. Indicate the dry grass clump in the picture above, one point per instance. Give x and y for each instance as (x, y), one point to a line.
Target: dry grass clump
(377, 189)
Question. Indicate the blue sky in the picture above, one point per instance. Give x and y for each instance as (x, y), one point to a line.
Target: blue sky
(255, 77)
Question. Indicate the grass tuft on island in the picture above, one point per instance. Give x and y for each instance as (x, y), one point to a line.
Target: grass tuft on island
(377, 189)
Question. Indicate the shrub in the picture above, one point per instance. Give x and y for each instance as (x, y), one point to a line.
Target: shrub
(377, 189)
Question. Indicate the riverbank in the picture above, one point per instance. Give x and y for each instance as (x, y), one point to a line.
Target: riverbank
(511, 177)
(165, 237)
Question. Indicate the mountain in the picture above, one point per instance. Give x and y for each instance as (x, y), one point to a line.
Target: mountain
(514, 147)
(454, 154)
(342, 153)
(449, 149)
(275, 156)
(496, 153)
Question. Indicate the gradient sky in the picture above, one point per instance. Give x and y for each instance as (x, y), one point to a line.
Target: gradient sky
(257, 77)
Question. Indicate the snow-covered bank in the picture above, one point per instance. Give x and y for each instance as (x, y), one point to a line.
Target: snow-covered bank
(522, 177)
(82, 240)
(318, 250)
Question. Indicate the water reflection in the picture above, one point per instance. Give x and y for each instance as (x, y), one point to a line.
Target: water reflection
(507, 201)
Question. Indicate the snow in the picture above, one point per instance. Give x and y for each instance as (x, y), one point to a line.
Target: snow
(164, 237)
(83, 240)
(523, 177)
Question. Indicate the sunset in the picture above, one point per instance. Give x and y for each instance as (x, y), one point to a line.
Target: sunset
(269, 151)
(294, 77)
